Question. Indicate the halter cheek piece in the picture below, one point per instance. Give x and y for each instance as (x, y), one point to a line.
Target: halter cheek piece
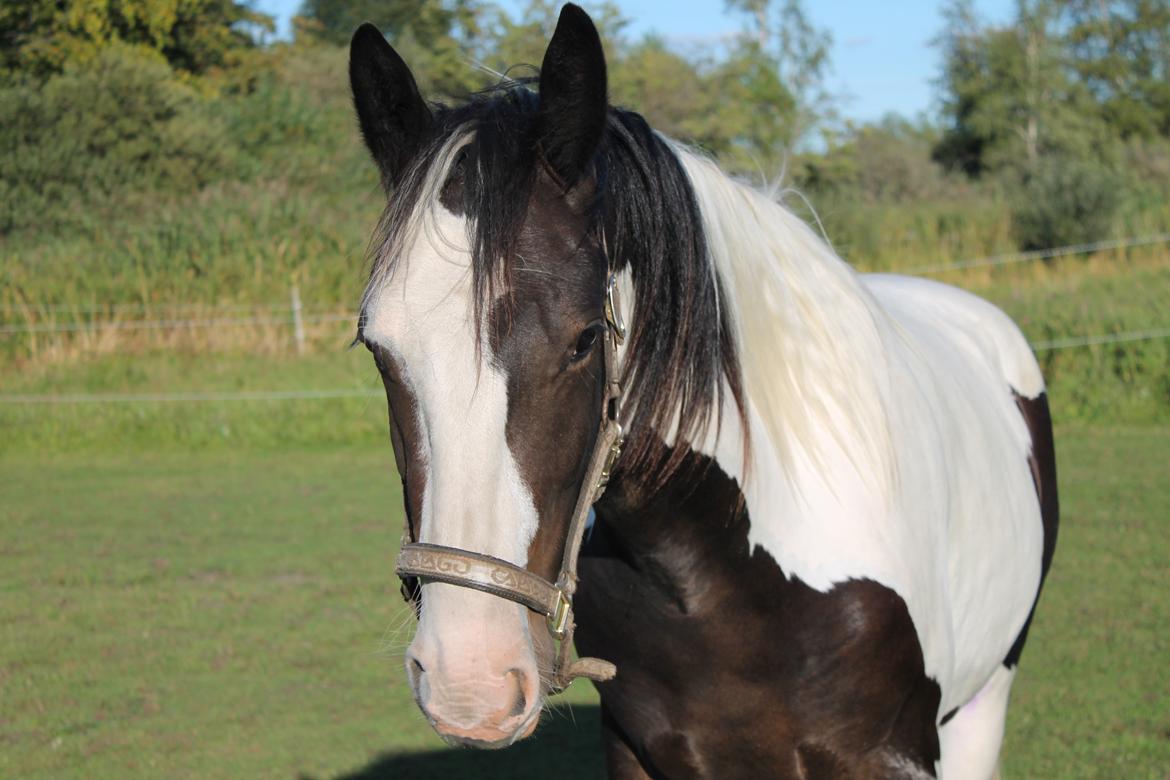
(437, 563)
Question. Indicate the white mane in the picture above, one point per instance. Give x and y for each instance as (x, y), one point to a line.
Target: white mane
(810, 336)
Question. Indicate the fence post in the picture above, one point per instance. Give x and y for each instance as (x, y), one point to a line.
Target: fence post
(298, 322)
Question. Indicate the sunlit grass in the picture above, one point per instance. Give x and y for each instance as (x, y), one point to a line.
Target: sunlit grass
(234, 614)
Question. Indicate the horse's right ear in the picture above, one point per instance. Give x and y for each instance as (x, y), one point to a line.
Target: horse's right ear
(393, 117)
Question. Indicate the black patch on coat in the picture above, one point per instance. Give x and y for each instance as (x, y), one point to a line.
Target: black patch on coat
(727, 668)
(1042, 461)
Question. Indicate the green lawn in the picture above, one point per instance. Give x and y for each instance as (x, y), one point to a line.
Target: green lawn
(233, 614)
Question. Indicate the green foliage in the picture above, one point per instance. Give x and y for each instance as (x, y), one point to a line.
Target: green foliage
(1128, 381)
(128, 182)
(897, 236)
(436, 38)
(773, 82)
(292, 115)
(297, 202)
(1066, 201)
(1121, 51)
(336, 20)
(642, 80)
(886, 162)
(41, 37)
(522, 42)
(758, 114)
(1066, 78)
(1009, 97)
(84, 137)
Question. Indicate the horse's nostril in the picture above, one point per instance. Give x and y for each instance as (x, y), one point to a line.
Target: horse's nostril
(520, 701)
(414, 670)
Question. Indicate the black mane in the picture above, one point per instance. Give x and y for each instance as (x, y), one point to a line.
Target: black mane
(644, 212)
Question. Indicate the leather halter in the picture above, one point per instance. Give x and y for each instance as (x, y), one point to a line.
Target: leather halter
(554, 600)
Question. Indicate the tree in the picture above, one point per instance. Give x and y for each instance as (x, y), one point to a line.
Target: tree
(884, 162)
(962, 87)
(1121, 50)
(1008, 93)
(669, 90)
(336, 20)
(510, 43)
(1065, 201)
(779, 71)
(757, 112)
(438, 39)
(40, 37)
(84, 140)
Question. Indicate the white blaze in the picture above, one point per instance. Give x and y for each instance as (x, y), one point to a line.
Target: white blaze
(474, 498)
(423, 314)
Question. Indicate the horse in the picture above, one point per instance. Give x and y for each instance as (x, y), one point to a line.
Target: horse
(798, 516)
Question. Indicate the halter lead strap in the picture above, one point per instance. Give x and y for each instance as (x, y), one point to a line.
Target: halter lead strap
(438, 563)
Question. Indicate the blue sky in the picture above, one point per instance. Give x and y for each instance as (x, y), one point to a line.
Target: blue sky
(882, 60)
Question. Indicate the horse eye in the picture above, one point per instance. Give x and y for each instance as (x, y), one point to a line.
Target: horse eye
(460, 163)
(585, 343)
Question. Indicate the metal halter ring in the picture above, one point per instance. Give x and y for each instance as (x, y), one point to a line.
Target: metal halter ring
(613, 310)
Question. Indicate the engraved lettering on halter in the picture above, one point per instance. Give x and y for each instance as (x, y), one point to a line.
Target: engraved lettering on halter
(508, 579)
(423, 561)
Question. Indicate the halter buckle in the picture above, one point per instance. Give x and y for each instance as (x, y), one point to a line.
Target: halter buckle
(613, 311)
(615, 451)
(558, 621)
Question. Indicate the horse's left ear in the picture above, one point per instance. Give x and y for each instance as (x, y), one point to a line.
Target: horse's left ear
(573, 102)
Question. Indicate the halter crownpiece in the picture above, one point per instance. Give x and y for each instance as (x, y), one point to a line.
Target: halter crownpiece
(438, 563)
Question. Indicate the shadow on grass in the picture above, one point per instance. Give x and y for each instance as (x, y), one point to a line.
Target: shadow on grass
(566, 745)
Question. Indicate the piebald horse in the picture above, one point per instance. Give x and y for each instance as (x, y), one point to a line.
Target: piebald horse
(831, 497)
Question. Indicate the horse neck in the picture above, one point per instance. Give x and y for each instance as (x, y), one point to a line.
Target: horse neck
(675, 523)
(811, 350)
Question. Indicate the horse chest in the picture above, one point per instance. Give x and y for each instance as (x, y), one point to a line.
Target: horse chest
(728, 668)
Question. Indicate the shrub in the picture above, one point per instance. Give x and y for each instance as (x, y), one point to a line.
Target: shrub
(1066, 201)
(122, 123)
(888, 162)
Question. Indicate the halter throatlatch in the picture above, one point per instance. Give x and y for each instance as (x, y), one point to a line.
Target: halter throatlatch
(438, 563)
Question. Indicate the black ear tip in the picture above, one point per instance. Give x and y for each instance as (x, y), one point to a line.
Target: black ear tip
(365, 34)
(574, 16)
(573, 11)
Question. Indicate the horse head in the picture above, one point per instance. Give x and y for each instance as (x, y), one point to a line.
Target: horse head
(485, 314)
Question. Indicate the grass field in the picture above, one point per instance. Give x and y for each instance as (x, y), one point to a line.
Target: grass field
(232, 613)
(205, 590)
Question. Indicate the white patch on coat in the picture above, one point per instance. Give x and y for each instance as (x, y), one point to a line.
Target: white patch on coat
(904, 768)
(886, 443)
(970, 742)
(474, 497)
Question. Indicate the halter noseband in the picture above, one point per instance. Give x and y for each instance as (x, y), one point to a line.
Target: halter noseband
(438, 563)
